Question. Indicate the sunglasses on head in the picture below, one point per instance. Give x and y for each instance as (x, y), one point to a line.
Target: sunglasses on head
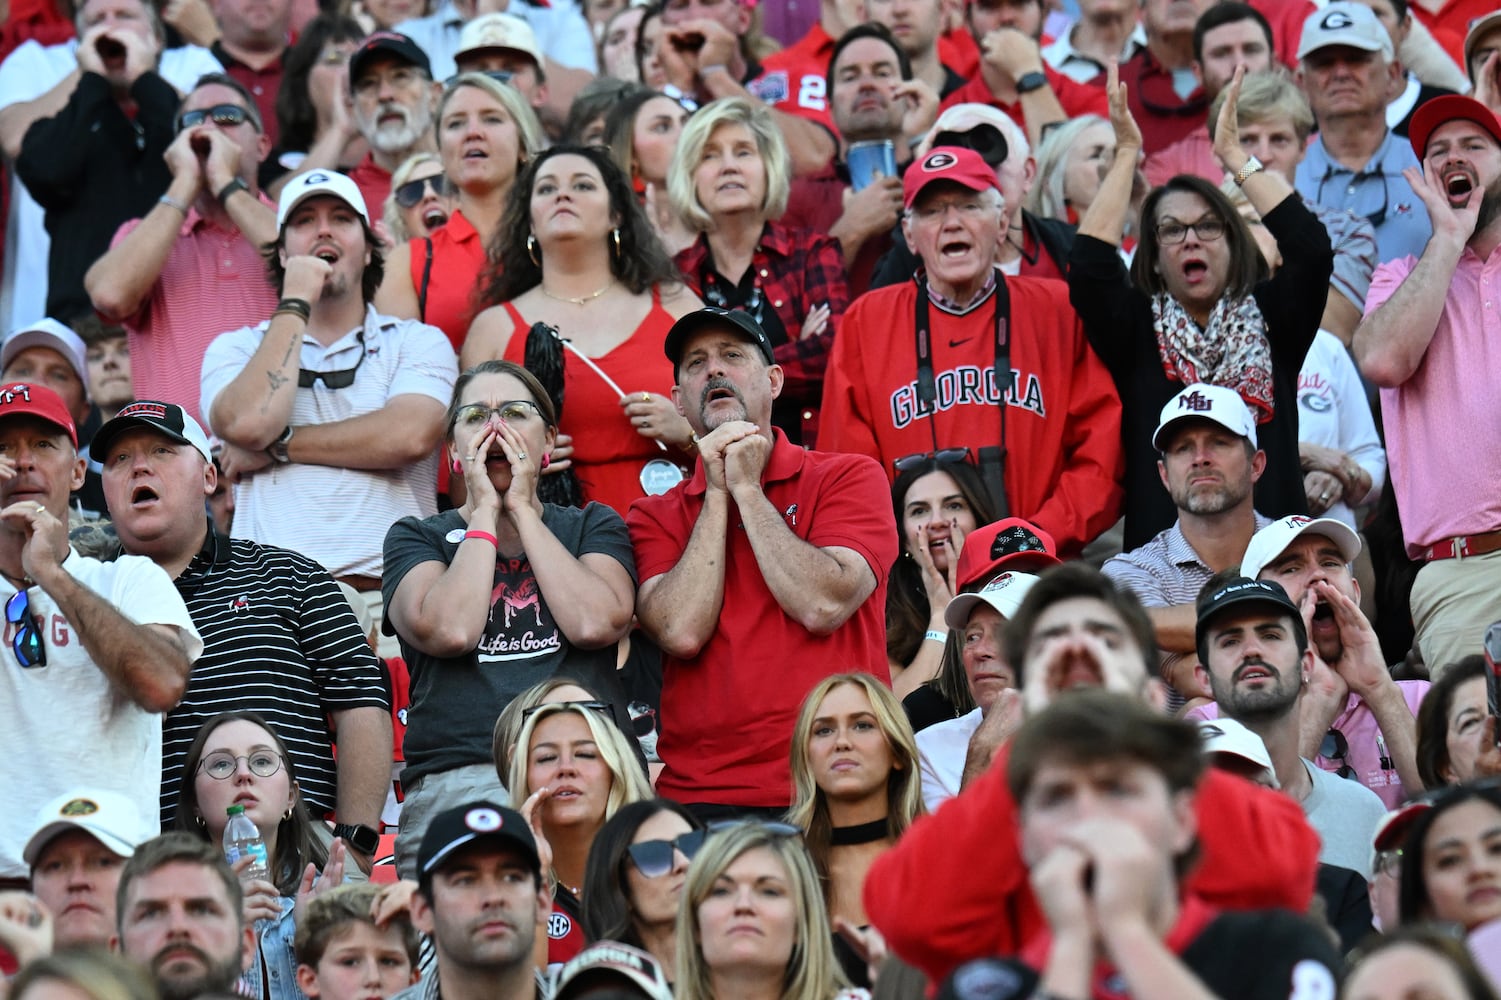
(27, 642)
(602, 707)
(225, 115)
(909, 462)
(409, 194)
(654, 858)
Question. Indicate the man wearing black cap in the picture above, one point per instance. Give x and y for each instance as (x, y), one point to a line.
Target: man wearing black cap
(394, 101)
(1253, 645)
(761, 575)
(481, 895)
(1428, 340)
(279, 637)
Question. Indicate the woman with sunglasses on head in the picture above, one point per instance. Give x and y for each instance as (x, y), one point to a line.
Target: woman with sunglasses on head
(729, 181)
(576, 254)
(938, 500)
(634, 879)
(856, 789)
(497, 595)
(486, 134)
(1451, 859)
(420, 200)
(237, 761)
(753, 925)
(1198, 306)
(572, 768)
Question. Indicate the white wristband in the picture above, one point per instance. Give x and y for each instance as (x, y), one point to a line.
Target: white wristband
(937, 636)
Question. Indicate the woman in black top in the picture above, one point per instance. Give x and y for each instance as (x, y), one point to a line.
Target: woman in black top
(1198, 306)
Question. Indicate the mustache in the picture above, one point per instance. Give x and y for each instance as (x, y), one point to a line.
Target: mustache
(1255, 662)
(179, 947)
(715, 384)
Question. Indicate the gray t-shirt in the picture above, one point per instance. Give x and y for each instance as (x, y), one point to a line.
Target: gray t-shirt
(455, 701)
(1345, 814)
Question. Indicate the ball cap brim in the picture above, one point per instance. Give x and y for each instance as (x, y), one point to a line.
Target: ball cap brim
(1442, 110)
(736, 321)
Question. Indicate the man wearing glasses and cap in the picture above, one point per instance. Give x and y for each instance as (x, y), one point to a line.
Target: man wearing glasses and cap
(191, 267)
(97, 650)
(330, 412)
(969, 357)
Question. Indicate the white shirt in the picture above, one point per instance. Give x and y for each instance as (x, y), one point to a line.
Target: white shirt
(28, 73)
(562, 34)
(941, 749)
(334, 515)
(66, 726)
(1333, 412)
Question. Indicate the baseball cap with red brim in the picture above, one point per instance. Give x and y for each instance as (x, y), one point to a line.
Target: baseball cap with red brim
(1010, 543)
(948, 163)
(32, 400)
(1441, 110)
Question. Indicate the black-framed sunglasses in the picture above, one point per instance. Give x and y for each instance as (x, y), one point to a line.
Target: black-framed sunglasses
(1376, 218)
(654, 858)
(909, 462)
(771, 826)
(408, 195)
(602, 707)
(341, 379)
(221, 764)
(27, 642)
(498, 75)
(1336, 747)
(223, 115)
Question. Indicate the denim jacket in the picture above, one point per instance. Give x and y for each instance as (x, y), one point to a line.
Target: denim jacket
(275, 954)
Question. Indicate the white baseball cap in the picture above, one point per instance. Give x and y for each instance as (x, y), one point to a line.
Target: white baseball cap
(47, 333)
(316, 182)
(498, 31)
(1203, 401)
(110, 817)
(1271, 541)
(1227, 736)
(1342, 22)
(1004, 593)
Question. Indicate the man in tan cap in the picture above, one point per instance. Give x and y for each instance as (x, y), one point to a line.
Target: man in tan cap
(504, 43)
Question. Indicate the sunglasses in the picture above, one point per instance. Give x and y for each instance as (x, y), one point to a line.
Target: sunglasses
(341, 379)
(1336, 747)
(909, 462)
(769, 826)
(602, 707)
(27, 642)
(654, 858)
(409, 194)
(223, 115)
(498, 75)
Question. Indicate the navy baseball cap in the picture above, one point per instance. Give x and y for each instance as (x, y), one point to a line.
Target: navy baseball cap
(712, 317)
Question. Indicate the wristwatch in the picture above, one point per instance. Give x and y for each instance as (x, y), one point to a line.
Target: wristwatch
(231, 188)
(1029, 82)
(1252, 166)
(361, 838)
(278, 449)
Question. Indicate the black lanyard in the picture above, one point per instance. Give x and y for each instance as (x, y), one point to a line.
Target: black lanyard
(992, 457)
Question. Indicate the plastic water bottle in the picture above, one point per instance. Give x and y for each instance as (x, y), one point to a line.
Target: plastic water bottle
(241, 838)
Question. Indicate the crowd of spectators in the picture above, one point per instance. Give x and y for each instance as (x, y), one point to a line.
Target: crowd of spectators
(717, 499)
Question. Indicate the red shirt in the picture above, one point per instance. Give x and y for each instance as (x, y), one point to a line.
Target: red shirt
(1076, 98)
(955, 886)
(727, 714)
(1452, 22)
(1062, 416)
(374, 182)
(1161, 114)
(1192, 154)
(263, 84)
(795, 80)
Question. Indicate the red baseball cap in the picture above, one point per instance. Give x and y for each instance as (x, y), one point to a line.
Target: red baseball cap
(1451, 107)
(32, 400)
(948, 163)
(1010, 543)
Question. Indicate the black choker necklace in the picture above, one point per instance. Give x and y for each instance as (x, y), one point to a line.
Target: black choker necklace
(860, 833)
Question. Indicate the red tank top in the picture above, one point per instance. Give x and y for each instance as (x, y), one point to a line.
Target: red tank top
(608, 454)
(458, 260)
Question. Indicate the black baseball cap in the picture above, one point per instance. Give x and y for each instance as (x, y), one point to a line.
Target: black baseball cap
(712, 317)
(1243, 591)
(463, 825)
(390, 43)
(989, 979)
(167, 419)
(983, 138)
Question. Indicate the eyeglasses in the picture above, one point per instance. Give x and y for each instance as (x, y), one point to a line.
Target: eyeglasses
(1389, 862)
(221, 764)
(513, 411)
(1173, 233)
(341, 379)
(400, 79)
(602, 707)
(224, 115)
(1376, 218)
(412, 192)
(909, 462)
(27, 642)
(968, 208)
(1015, 542)
(654, 858)
(1335, 747)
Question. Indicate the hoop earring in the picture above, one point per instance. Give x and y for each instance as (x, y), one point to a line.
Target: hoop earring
(531, 250)
(615, 234)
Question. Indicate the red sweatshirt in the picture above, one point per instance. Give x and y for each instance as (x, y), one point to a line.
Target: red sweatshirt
(955, 887)
(1063, 463)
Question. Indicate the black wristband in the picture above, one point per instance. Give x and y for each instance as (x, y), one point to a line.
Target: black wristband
(231, 188)
(297, 307)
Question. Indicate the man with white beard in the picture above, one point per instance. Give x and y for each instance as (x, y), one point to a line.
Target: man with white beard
(391, 82)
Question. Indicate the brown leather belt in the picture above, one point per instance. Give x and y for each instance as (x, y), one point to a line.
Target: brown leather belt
(1465, 545)
(363, 584)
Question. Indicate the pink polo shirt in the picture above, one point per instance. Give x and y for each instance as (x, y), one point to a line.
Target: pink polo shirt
(1443, 423)
(214, 280)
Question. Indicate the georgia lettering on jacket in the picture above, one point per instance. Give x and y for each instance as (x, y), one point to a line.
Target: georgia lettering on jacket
(966, 385)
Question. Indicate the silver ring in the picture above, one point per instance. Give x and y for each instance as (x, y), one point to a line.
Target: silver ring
(468, 458)
(521, 455)
(1324, 495)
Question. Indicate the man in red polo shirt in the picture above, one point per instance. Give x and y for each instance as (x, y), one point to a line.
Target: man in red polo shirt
(252, 47)
(760, 576)
(1166, 97)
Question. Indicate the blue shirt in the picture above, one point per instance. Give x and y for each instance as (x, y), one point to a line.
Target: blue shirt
(1377, 192)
